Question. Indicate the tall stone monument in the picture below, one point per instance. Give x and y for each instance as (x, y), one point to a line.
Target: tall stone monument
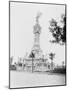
(37, 31)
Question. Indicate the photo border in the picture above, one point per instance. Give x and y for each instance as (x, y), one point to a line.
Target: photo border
(65, 44)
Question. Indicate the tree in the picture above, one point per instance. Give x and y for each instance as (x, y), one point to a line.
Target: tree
(52, 55)
(11, 60)
(20, 62)
(58, 32)
(32, 55)
(63, 64)
(63, 37)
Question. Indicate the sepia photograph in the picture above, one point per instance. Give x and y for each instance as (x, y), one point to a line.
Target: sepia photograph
(37, 41)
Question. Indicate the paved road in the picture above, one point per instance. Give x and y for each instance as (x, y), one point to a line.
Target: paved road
(27, 79)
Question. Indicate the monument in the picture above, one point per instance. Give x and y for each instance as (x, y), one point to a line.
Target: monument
(37, 31)
(35, 59)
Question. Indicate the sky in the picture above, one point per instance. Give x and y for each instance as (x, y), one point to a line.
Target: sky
(22, 21)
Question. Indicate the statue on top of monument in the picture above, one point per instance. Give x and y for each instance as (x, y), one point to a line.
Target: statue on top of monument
(38, 16)
(37, 27)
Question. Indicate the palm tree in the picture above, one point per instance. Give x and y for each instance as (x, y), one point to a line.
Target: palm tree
(52, 55)
(32, 55)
